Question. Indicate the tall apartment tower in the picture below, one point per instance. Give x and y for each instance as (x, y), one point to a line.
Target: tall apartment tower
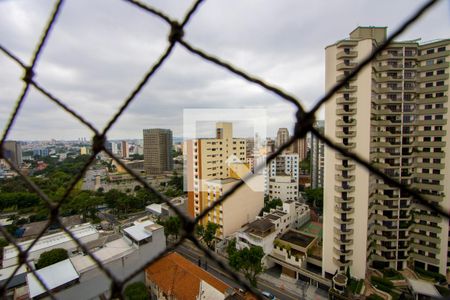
(317, 158)
(13, 151)
(214, 165)
(300, 146)
(124, 148)
(157, 151)
(282, 137)
(395, 115)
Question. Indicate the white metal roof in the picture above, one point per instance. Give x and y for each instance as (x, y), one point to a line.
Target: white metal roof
(156, 208)
(138, 231)
(53, 276)
(423, 287)
(110, 251)
(51, 240)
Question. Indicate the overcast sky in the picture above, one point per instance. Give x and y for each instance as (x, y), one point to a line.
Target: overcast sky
(100, 49)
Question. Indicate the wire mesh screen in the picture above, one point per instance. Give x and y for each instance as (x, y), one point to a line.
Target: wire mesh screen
(304, 124)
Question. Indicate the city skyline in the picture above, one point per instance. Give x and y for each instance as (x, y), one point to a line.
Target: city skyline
(123, 50)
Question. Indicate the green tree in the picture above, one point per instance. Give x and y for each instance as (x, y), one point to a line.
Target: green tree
(3, 243)
(270, 204)
(51, 257)
(136, 291)
(209, 234)
(172, 226)
(248, 261)
(176, 181)
(231, 247)
(315, 197)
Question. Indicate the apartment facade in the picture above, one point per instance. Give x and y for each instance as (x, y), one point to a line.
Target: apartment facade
(283, 187)
(394, 113)
(158, 151)
(213, 166)
(285, 164)
(317, 157)
(13, 151)
(300, 147)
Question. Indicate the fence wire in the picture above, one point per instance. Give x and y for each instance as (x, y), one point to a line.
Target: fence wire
(304, 124)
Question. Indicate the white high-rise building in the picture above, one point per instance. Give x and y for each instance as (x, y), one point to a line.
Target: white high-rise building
(394, 113)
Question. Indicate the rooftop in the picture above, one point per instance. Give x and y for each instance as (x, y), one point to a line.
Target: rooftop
(141, 230)
(261, 227)
(272, 217)
(177, 276)
(54, 276)
(51, 240)
(297, 238)
(423, 288)
(110, 251)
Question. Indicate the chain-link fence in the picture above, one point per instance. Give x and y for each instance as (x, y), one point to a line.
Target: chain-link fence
(304, 124)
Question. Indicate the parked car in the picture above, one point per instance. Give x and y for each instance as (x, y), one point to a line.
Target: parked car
(268, 295)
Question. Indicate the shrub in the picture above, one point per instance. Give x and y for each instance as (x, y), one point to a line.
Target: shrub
(51, 257)
(392, 274)
(374, 297)
(382, 284)
(436, 276)
(3, 243)
(136, 291)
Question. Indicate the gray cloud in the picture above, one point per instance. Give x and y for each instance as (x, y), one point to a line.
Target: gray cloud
(99, 50)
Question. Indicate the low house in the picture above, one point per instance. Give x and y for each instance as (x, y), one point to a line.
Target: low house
(174, 277)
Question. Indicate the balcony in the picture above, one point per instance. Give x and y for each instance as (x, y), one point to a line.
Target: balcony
(344, 178)
(443, 65)
(349, 100)
(347, 221)
(345, 66)
(339, 231)
(433, 78)
(340, 252)
(349, 167)
(350, 122)
(343, 263)
(434, 89)
(348, 189)
(434, 55)
(346, 54)
(346, 112)
(390, 56)
(340, 209)
(347, 242)
(342, 77)
(340, 200)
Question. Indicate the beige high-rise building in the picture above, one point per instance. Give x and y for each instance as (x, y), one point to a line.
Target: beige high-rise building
(157, 151)
(394, 113)
(282, 137)
(300, 146)
(124, 148)
(213, 166)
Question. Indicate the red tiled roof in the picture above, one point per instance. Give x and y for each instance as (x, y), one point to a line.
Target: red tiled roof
(176, 276)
